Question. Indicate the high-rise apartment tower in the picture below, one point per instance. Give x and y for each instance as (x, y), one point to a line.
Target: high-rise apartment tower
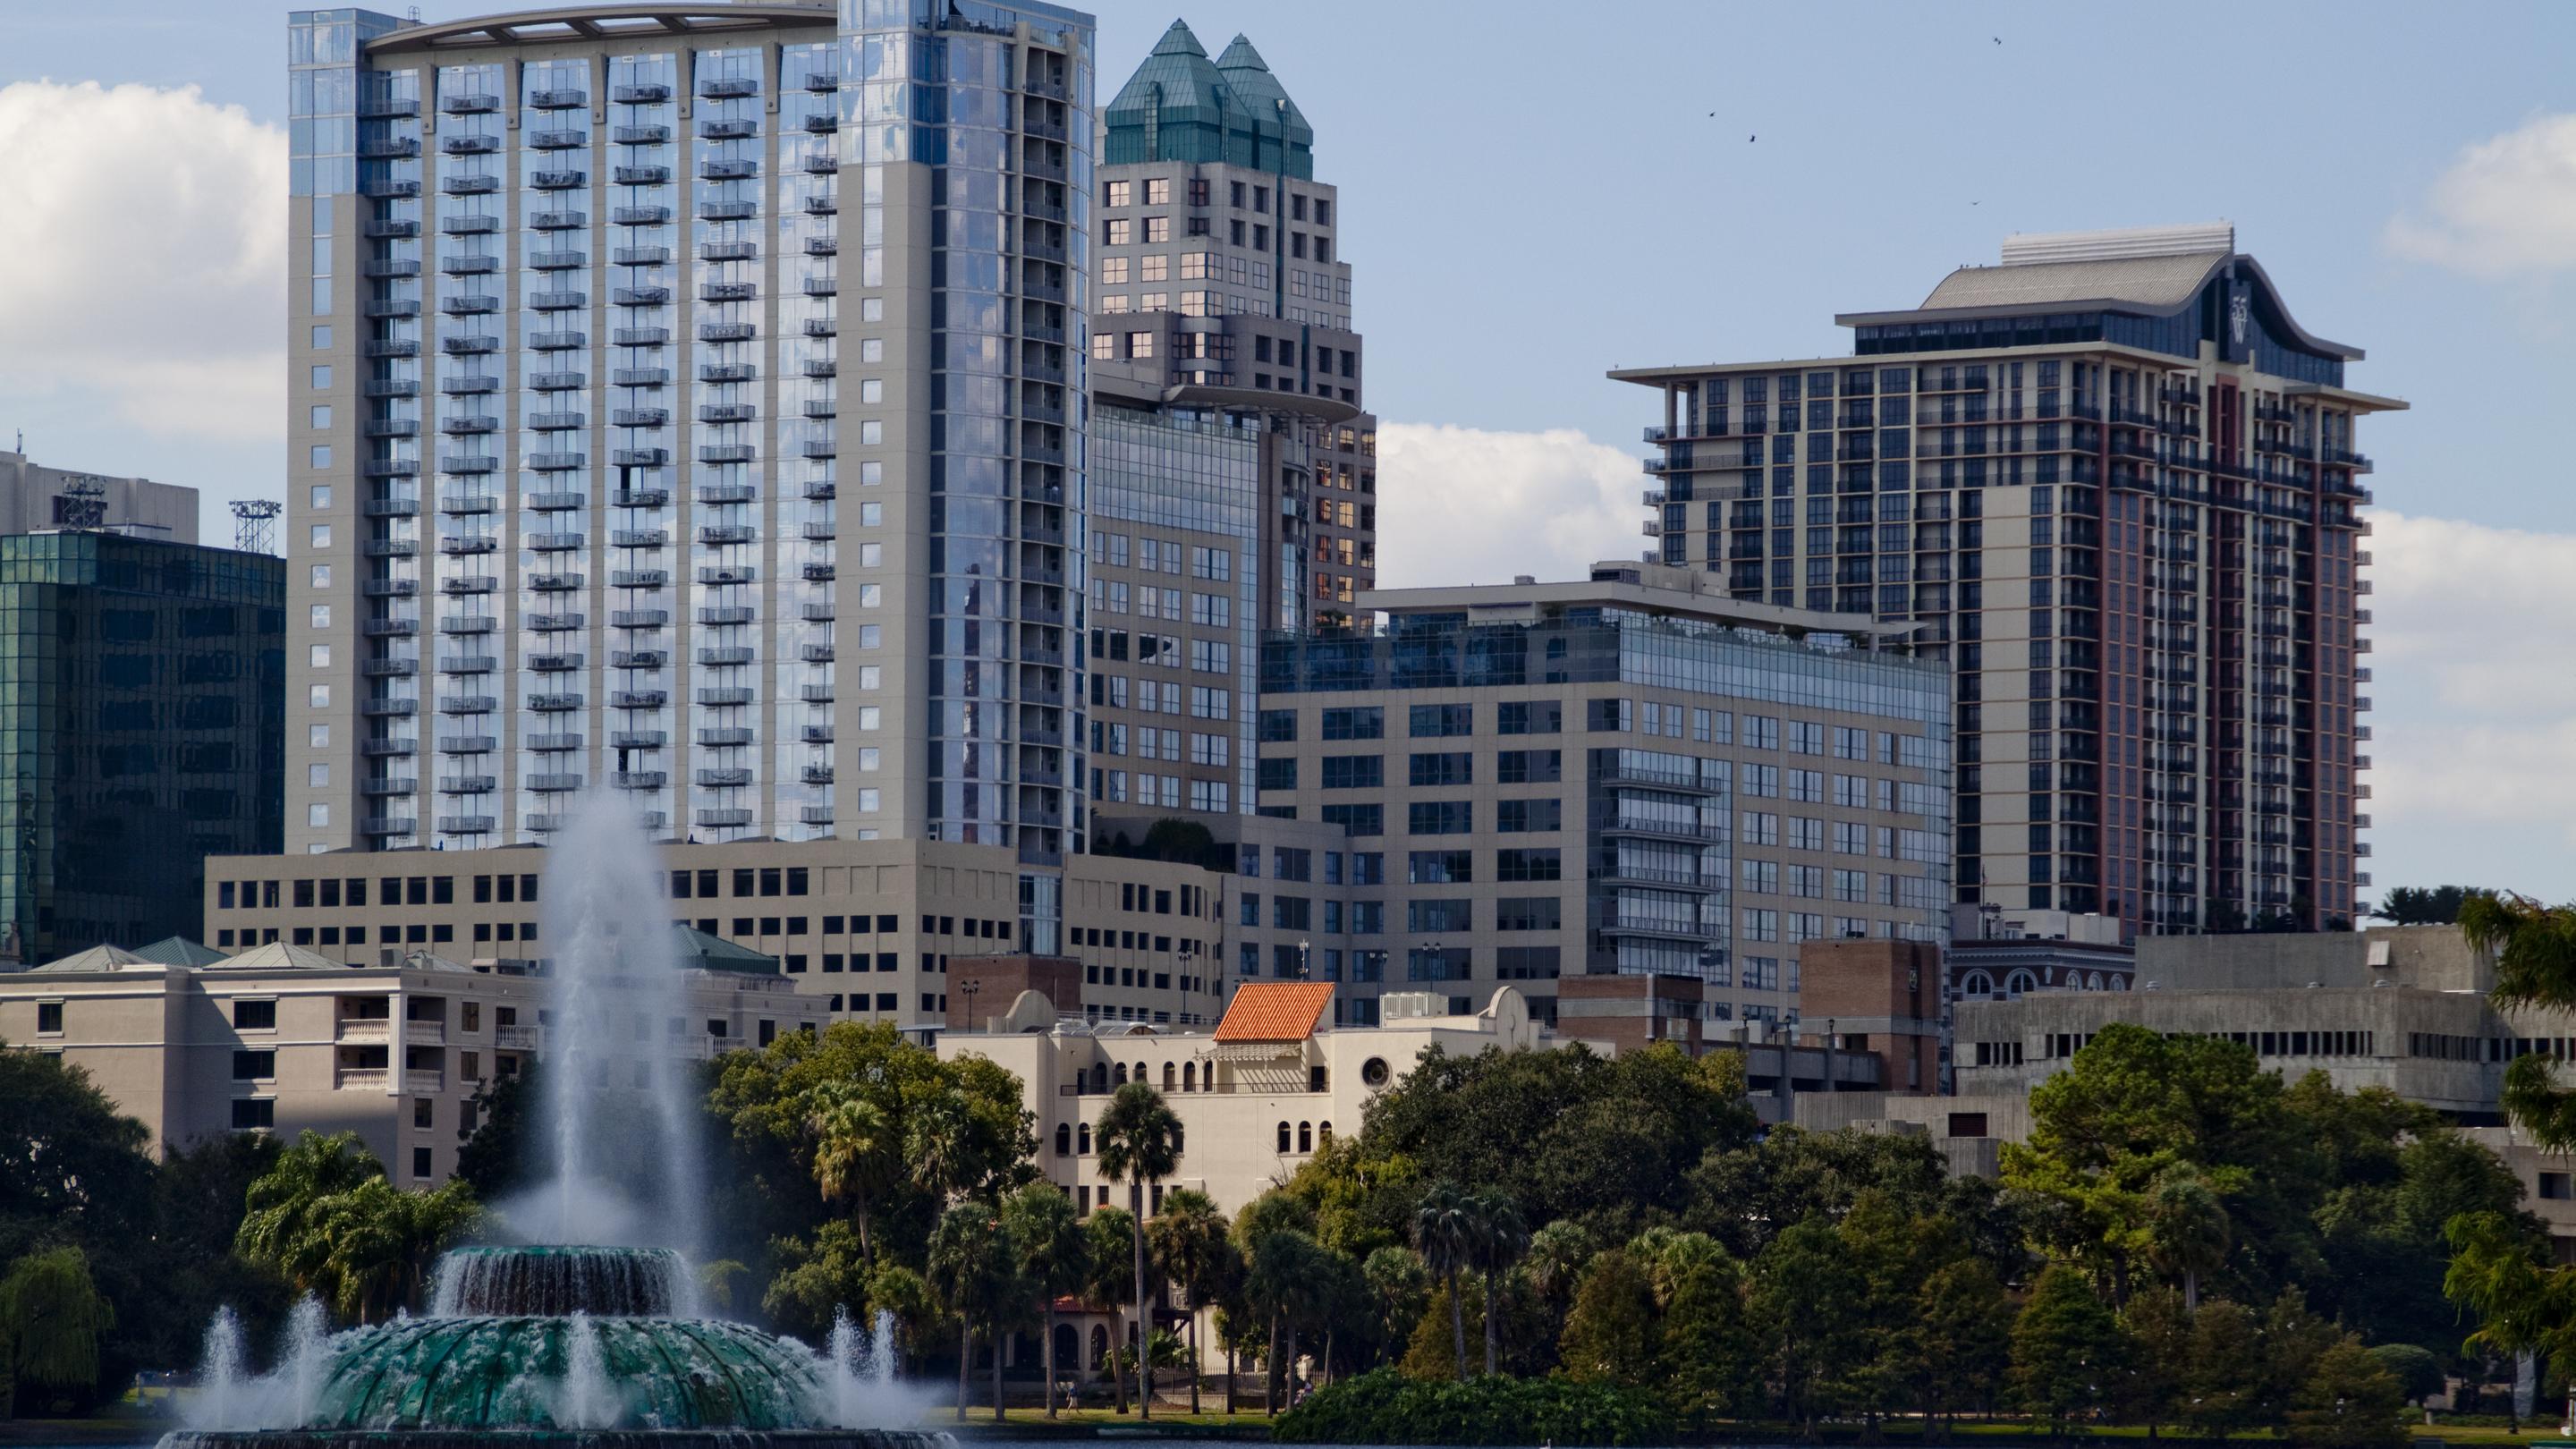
(2115, 484)
(692, 401)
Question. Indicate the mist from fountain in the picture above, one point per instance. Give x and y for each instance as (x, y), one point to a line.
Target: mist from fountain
(616, 1039)
(229, 1395)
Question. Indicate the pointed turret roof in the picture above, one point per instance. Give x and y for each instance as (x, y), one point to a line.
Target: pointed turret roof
(1182, 106)
(1259, 90)
(101, 957)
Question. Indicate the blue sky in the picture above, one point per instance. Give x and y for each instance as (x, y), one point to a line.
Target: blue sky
(1534, 193)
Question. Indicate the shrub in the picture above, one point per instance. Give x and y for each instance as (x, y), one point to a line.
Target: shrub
(1384, 1407)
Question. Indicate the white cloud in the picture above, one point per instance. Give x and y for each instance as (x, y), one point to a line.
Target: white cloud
(142, 243)
(2476, 719)
(1462, 505)
(2506, 206)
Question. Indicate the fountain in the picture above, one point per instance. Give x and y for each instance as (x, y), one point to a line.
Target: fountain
(556, 1341)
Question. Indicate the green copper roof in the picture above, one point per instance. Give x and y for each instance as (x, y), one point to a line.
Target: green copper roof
(1261, 92)
(702, 952)
(1181, 106)
(179, 951)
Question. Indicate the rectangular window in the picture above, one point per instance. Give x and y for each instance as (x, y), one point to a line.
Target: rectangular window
(1434, 770)
(1440, 817)
(1439, 720)
(1366, 722)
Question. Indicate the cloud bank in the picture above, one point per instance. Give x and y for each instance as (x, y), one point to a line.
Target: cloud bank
(2506, 206)
(142, 243)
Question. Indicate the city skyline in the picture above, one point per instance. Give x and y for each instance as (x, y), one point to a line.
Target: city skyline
(1512, 401)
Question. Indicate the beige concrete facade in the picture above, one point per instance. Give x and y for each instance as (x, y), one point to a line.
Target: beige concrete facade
(395, 1054)
(867, 928)
(1251, 1112)
(35, 496)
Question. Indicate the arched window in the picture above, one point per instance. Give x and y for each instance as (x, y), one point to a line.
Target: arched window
(1324, 1133)
(1120, 1076)
(1977, 983)
(1099, 1346)
(1189, 1076)
(1283, 1138)
(2020, 982)
(1086, 1139)
(1100, 1076)
(1305, 1136)
(1068, 1347)
(2092, 980)
(1170, 1077)
(1064, 1139)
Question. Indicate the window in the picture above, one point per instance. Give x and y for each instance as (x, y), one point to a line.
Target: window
(49, 1018)
(1436, 720)
(1441, 817)
(1517, 816)
(255, 1016)
(251, 1066)
(254, 1114)
(1534, 717)
(1362, 723)
(1528, 863)
(1354, 772)
(1442, 769)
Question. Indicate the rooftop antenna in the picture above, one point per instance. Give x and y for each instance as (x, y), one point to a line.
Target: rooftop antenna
(255, 524)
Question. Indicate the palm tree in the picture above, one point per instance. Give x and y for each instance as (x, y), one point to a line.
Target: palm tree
(970, 1270)
(1498, 1241)
(1282, 1279)
(1105, 1234)
(282, 1211)
(938, 1144)
(1139, 1142)
(1053, 1255)
(2187, 1230)
(852, 1141)
(1196, 1257)
(51, 1319)
(1444, 1233)
(381, 1242)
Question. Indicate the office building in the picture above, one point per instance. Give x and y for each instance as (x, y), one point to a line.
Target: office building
(34, 497)
(1233, 478)
(2115, 485)
(279, 1039)
(1995, 952)
(141, 727)
(867, 930)
(1632, 774)
(594, 312)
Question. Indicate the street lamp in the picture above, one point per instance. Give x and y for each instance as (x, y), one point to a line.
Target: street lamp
(1304, 971)
(971, 987)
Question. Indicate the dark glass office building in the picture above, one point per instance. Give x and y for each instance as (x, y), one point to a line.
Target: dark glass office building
(141, 730)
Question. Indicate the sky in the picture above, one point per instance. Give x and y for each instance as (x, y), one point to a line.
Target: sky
(1534, 193)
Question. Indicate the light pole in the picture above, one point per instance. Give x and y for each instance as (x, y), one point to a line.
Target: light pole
(1305, 971)
(970, 988)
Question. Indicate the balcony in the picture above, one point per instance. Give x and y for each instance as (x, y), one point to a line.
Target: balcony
(361, 1079)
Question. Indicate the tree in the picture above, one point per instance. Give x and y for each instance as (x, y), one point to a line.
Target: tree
(2418, 1372)
(1281, 1281)
(2158, 1326)
(971, 1271)
(2294, 1341)
(379, 1242)
(52, 1319)
(1611, 1334)
(2186, 1227)
(1806, 1307)
(1967, 1329)
(2418, 906)
(2067, 1349)
(1052, 1253)
(1399, 1287)
(1107, 1235)
(1567, 1134)
(282, 1225)
(1497, 1240)
(2223, 1382)
(507, 1151)
(2350, 1401)
(1707, 1346)
(853, 1148)
(816, 1275)
(1444, 1233)
(1196, 1257)
(1138, 1141)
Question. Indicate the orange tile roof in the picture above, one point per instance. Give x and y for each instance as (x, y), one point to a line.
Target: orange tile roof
(1275, 1011)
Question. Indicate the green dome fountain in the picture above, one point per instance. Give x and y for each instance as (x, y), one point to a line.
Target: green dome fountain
(563, 1345)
